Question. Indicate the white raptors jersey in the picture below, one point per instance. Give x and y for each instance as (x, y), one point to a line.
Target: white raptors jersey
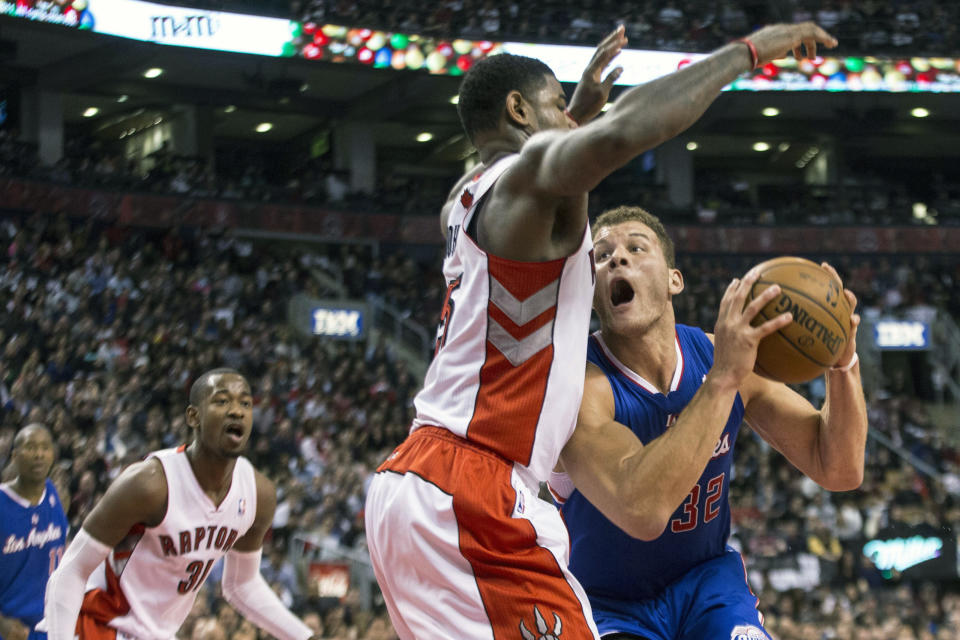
(512, 343)
(147, 585)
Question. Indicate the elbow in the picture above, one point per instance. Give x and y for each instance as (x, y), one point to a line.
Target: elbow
(646, 524)
(843, 480)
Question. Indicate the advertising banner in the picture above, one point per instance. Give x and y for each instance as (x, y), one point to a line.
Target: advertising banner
(223, 31)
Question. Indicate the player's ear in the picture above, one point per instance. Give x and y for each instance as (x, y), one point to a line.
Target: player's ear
(518, 111)
(192, 416)
(676, 282)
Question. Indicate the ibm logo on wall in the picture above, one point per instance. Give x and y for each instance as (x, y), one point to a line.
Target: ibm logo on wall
(337, 323)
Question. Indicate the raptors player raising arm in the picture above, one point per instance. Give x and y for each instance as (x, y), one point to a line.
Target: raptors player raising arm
(137, 564)
(460, 544)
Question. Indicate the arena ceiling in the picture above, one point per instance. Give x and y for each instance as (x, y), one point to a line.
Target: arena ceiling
(304, 98)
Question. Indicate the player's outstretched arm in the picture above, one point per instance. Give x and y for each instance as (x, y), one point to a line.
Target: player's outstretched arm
(244, 586)
(639, 487)
(571, 163)
(139, 495)
(827, 445)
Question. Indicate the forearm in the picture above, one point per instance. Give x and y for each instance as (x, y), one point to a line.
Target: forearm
(659, 477)
(67, 585)
(843, 431)
(656, 111)
(245, 588)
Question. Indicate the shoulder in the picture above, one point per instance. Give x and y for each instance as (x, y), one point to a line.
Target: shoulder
(143, 481)
(139, 494)
(530, 159)
(455, 194)
(597, 391)
(266, 494)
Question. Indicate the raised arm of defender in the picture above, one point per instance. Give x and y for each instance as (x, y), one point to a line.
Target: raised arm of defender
(566, 164)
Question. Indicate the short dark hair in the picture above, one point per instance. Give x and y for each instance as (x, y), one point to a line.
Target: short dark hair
(199, 390)
(623, 214)
(25, 432)
(487, 84)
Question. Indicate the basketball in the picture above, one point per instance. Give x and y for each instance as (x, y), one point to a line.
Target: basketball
(816, 338)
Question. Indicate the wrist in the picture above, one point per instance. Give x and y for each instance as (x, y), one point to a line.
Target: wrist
(846, 367)
(751, 51)
(721, 381)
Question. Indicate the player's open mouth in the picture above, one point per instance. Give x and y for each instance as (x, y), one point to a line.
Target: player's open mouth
(620, 292)
(234, 431)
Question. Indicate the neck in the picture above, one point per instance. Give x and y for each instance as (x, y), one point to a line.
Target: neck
(491, 149)
(28, 489)
(214, 472)
(651, 354)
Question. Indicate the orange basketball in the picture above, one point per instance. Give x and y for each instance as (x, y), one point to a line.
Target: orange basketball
(816, 338)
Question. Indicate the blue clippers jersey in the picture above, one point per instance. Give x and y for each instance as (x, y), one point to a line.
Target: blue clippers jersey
(607, 561)
(32, 540)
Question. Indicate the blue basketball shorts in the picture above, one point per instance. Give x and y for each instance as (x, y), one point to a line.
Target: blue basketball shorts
(713, 600)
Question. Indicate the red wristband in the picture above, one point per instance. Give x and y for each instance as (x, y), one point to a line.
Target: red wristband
(754, 56)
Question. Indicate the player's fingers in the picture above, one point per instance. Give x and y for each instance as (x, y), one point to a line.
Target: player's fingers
(610, 44)
(611, 78)
(773, 325)
(851, 298)
(613, 36)
(728, 296)
(766, 296)
(854, 321)
(811, 47)
(826, 266)
(823, 37)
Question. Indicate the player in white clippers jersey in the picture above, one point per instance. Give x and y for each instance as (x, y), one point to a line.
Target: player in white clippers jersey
(134, 569)
(460, 543)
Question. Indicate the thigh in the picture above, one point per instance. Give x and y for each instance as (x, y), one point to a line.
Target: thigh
(721, 604)
(460, 554)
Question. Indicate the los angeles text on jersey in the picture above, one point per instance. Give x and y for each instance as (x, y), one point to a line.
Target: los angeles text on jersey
(36, 538)
(198, 539)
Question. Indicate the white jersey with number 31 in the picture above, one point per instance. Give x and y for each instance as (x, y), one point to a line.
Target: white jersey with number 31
(511, 345)
(147, 585)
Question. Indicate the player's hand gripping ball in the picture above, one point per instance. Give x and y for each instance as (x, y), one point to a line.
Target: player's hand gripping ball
(816, 338)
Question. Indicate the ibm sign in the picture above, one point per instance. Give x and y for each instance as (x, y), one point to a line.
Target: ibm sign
(337, 323)
(905, 335)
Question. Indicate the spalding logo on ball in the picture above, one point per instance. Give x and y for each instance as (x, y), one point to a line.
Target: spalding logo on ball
(818, 335)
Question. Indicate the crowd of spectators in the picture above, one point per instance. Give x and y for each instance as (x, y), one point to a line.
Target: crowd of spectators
(104, 327)
(868, 199)
(905, 27)
(922, 27)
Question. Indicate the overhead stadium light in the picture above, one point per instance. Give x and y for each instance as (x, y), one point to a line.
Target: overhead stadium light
(153, 72)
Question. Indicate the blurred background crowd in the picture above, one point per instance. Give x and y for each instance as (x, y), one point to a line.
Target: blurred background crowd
(923, 26)
(163, 209)
(104, 327)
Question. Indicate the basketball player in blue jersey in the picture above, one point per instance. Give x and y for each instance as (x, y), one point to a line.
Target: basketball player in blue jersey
(33, 534)
(666, 402)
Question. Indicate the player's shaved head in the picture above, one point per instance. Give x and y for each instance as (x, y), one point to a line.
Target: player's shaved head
(203, 386)
(28, 431)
